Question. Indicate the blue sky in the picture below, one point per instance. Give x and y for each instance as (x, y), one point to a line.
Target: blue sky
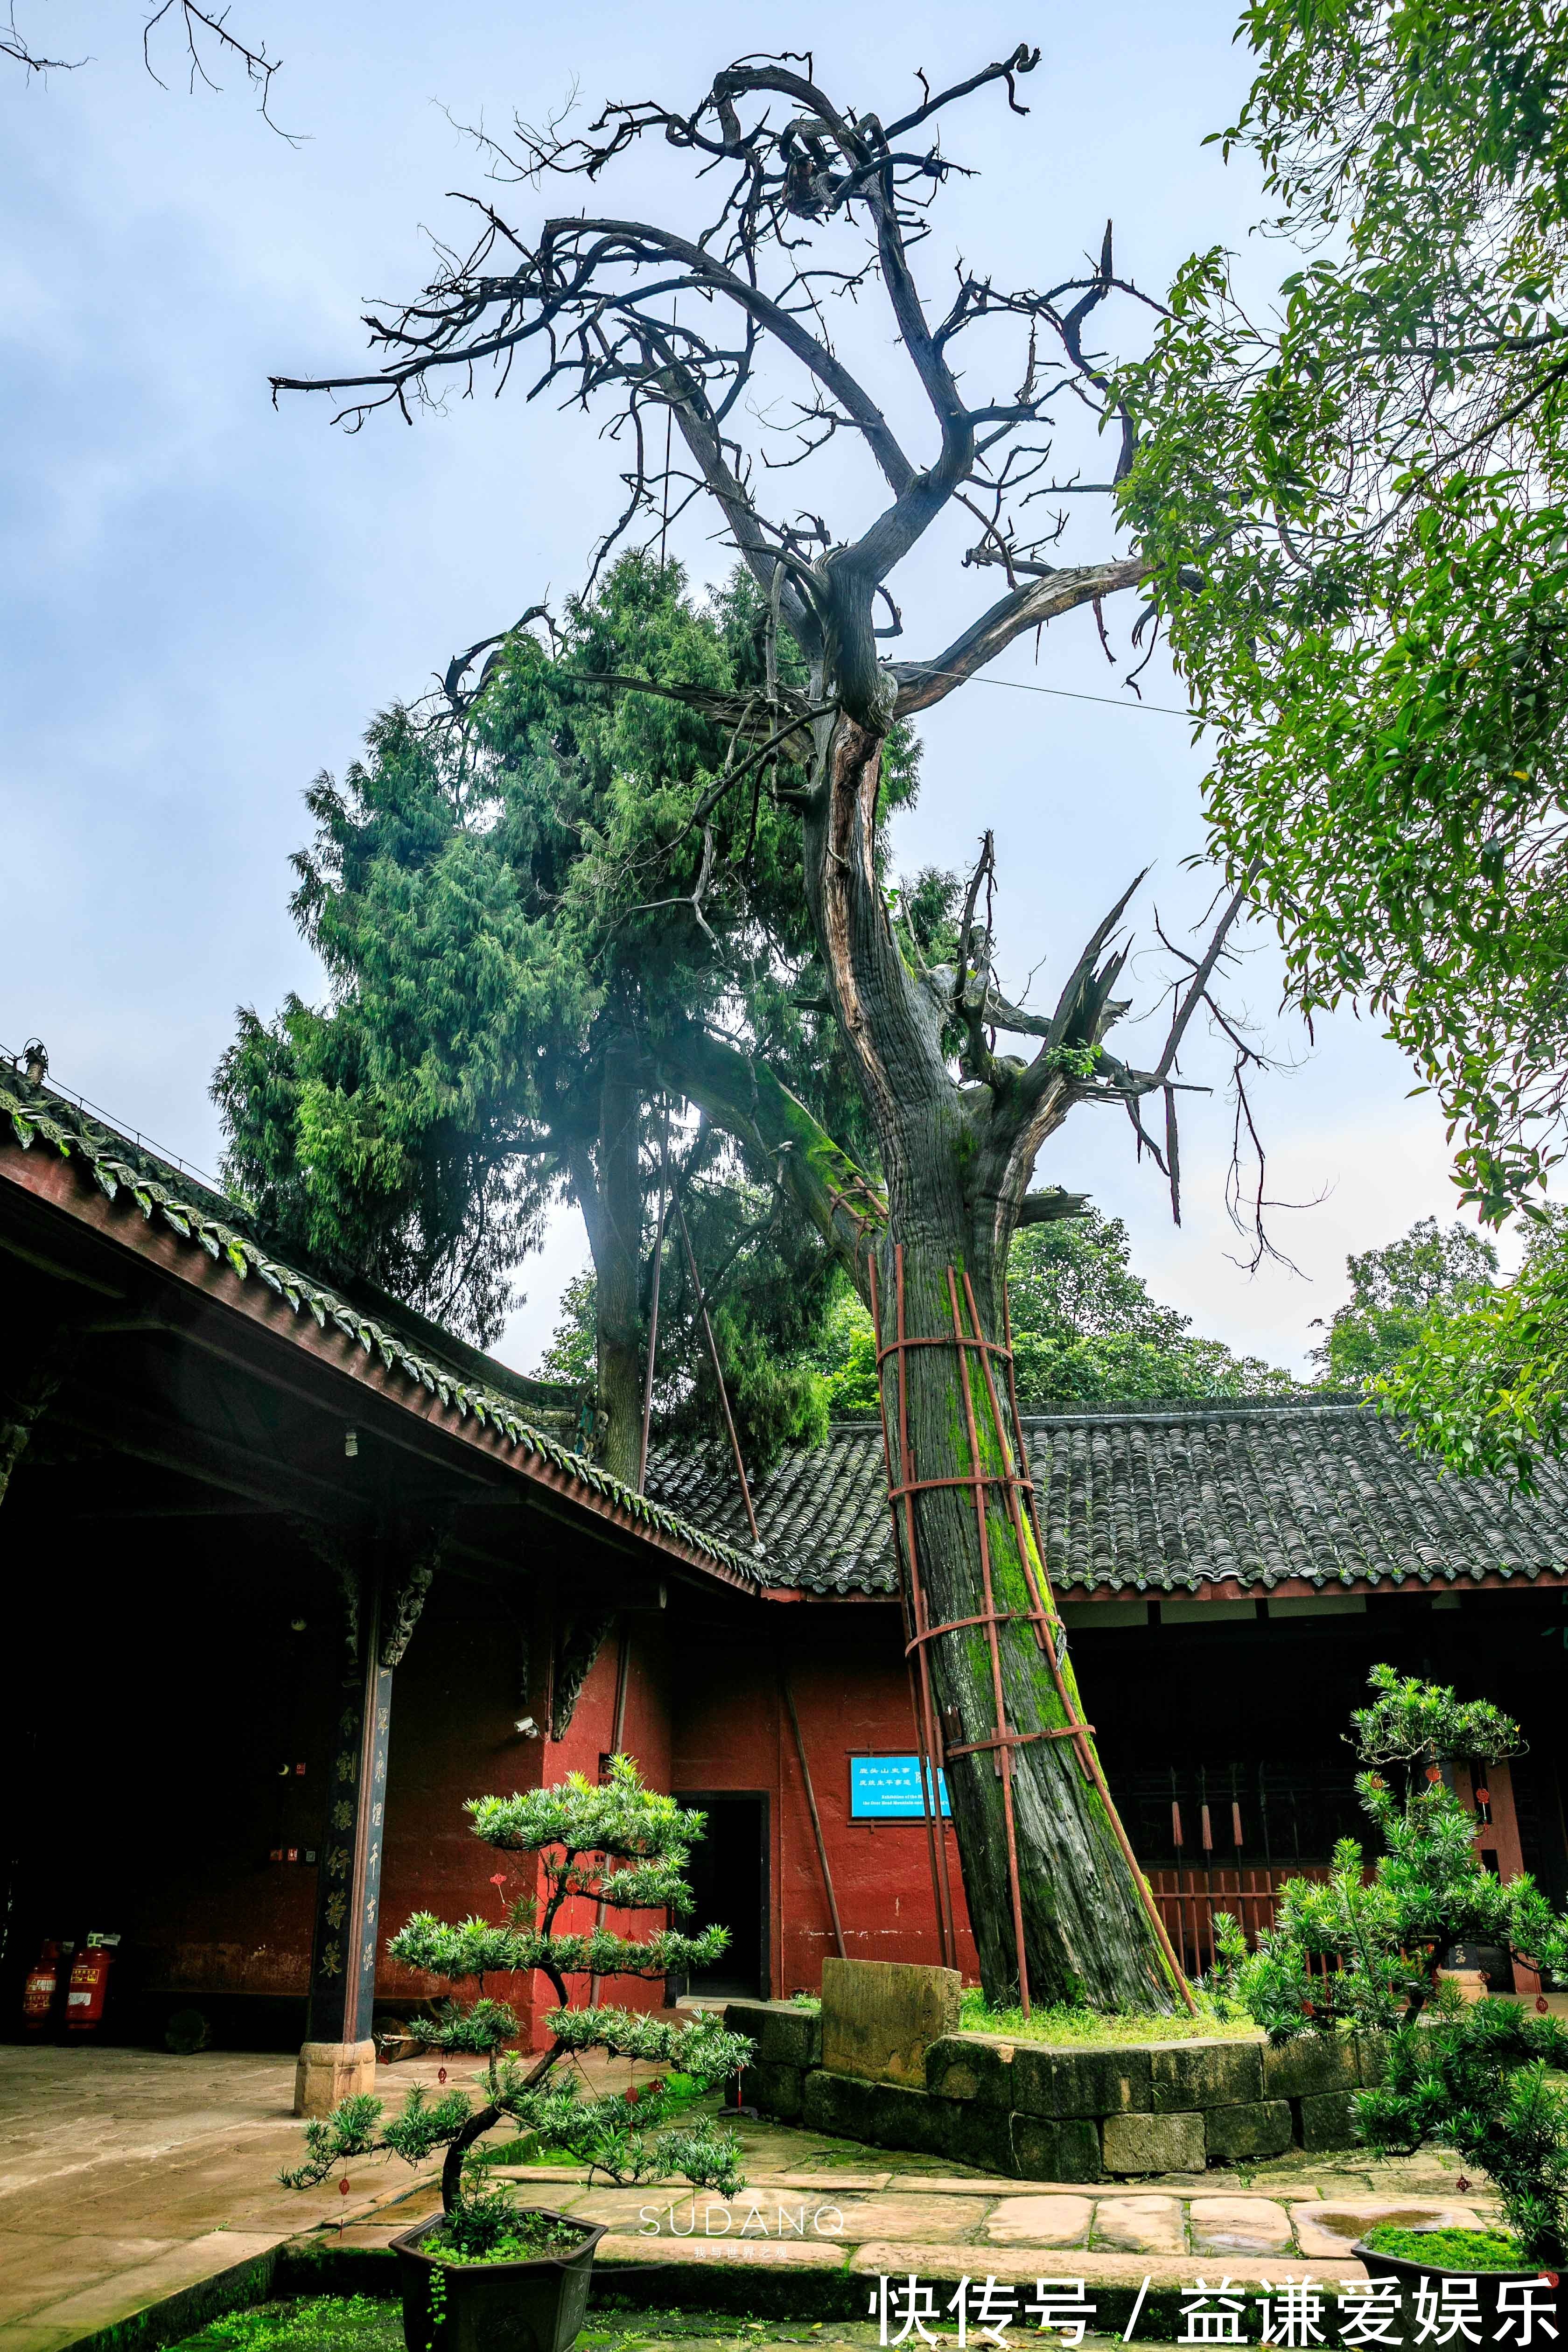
(204, 599)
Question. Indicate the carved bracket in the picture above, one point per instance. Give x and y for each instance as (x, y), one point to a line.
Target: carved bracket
(577, 1644)
(405, 1594)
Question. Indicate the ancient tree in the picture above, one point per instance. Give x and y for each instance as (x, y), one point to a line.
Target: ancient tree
(781, 331)
(494, 981)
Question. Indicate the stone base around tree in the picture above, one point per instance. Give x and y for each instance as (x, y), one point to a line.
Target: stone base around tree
(1036, 2112)
(330, 2072)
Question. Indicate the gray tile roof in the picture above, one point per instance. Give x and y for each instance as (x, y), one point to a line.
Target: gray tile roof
(822, 1514)
(1163, 1499)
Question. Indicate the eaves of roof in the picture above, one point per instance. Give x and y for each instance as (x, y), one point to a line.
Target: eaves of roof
(410, 1375)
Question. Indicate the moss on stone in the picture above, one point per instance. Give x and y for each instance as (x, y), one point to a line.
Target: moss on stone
(1448, 2249)
(1076, 2028)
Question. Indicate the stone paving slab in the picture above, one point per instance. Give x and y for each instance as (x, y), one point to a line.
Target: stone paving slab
(980, 2184)
(126, 2177)
(1040, 2220)
(768, 2211)
(1147, 2224)
(827, 2181)
(123, 2293)
(762, 2253)
(1240, 2225)
(1013, 2263)
(37, 2271)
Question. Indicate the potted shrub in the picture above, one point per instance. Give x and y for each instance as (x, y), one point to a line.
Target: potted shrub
(1363, 1950)
(486, 2274)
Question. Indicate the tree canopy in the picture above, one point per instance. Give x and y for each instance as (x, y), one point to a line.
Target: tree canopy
(1484, 1380)
(1357, 513)
(1085, 1329)
(519, 880)
(1396, 1290)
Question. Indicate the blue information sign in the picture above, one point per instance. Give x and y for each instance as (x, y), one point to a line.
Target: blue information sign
(888, 1788)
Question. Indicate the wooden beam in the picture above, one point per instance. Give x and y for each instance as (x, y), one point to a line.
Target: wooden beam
(124, 1428)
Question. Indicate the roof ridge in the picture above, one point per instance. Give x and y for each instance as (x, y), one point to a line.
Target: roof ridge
(1142, 1409)
(1172, 1409)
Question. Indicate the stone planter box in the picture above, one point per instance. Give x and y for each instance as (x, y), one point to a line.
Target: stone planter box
(1028, 2112)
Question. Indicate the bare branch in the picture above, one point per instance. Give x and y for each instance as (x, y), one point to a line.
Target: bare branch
(1050, 1206)
(922, 684)
(13, 45)
(197, 24)
(196, 21)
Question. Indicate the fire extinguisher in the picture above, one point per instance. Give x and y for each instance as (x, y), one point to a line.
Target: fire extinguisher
(43, 1983)
(88, 1987)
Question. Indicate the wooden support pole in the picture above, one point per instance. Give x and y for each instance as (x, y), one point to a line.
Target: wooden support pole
(719, 1376)
(653, 1305)
(815, 1816)
(617, 1733)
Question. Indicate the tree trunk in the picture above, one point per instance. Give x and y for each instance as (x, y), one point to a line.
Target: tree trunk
(1087, 1933)
(958, 1160)
(618, 1257)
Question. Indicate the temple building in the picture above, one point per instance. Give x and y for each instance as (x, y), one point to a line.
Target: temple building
(291, 1574)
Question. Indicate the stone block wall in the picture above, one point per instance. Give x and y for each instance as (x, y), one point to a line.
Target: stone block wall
(1027, 2112)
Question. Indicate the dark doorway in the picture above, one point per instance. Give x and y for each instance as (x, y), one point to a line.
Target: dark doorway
(727, 1874)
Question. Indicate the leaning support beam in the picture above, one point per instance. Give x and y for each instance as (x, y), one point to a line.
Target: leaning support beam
(815, 1816)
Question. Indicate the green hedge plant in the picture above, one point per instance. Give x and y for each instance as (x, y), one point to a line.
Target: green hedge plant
(627, 1846)
(1363, 1950)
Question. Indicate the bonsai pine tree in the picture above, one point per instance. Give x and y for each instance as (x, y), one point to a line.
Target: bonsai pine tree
(618, 1842)
(1364, 1949)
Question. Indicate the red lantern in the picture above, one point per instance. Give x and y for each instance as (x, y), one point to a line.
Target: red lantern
(440, 2073)
(1540, 2003)
(1434, 1771)
(343, 2185)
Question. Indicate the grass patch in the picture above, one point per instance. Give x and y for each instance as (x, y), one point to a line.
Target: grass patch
(316, 2322)
(1448, 2249)
(1082, 2028)
(330, 2323)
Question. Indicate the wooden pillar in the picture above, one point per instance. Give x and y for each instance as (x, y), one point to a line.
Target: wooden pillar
(1497, 1843)
(338, 2055)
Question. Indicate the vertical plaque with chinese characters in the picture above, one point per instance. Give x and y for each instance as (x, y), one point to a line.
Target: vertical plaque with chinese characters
(348, 1898)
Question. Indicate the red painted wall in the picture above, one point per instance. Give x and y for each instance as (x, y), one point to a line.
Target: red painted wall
(457, 1697)
(204, 1702)
(851, 1693)
(645, 1736)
